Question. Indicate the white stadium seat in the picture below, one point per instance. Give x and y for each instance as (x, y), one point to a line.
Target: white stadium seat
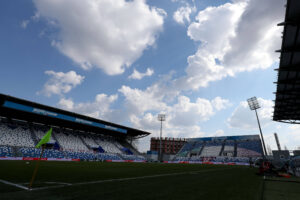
(15, 136)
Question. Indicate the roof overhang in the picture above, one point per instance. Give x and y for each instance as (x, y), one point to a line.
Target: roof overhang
(20, 109)
(287, 102)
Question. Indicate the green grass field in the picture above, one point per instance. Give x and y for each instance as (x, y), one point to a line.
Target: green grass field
(96, 180)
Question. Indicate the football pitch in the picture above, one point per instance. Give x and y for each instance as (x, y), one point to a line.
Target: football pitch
(97, 180)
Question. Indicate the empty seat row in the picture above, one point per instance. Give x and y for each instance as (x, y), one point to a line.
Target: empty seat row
(70, 142)
(15, 136)
(5, 151)
(108, 146)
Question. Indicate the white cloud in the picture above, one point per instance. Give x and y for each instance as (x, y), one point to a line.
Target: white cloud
(138, 75)
(293, 137)
(224, 32)
(187, 113)
(182, 117)
(184, 113)
(141, 108)
(219, 103)
(235, 37)
(67, 104)
(138, 101)
(24, 24)
(182, 14)
(99, 108)
(219, 132)
(244, 118)
(288, 135)
(218, 40)
(61, 83)
(256, 36)
(221, 31)
(108, 34)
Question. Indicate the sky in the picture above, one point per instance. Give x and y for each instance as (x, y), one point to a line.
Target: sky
(126, 61)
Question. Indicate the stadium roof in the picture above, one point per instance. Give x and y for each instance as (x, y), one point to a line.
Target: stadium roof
(287, 102)
(16, 108)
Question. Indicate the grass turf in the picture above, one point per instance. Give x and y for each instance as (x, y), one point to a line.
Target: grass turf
(282, 188)
(190, 181)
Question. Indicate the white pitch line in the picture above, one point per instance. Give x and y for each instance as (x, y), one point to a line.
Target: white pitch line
(126, 179)
(62, 183)
(13, 184)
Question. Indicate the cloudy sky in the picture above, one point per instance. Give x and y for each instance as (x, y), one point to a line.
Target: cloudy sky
(126, 61)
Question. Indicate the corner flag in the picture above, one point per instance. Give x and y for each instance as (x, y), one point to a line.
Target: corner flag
(44, 139)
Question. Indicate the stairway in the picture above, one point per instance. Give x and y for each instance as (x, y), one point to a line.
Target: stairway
(191, 149)
(33, 136)
(235, 149)
(222, 148)
(201, 150)
(179, 152)
(88, 146)
(129, 146)
(16, 152)
(56, 140)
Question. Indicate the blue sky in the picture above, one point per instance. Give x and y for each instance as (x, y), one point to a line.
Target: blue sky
(127, 61)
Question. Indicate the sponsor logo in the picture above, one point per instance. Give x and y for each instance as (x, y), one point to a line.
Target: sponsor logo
(110, 127)
(44, 112)
(83, 121)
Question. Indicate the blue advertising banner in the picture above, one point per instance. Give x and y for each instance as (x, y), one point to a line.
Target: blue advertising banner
(39, 111)
(221, 138)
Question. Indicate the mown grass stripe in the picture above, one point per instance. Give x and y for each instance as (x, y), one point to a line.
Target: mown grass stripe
(127, 179)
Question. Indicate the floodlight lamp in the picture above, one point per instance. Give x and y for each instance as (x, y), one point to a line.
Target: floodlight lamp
(253, 103)
(161, 117)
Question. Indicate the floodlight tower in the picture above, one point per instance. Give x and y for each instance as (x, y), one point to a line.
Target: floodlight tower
(254, 105)
(277, 141)
(161, 118)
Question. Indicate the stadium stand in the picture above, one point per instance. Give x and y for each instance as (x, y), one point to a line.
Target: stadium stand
(108, 156)
(35, 153)
(70, 146)
(74, 136)
(211, 149)
(70, 142)
(5, 151)
(12, 135)
(40, 133)
(133, 157)
(185, 150)
(229, 146)
(108, 146)
(90, 142)
(197, 148)
(221, 149)
(249, 148)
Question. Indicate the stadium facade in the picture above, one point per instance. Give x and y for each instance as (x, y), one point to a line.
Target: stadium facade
(75, 136)
(168, 145)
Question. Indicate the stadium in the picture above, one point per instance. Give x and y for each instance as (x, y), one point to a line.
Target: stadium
(89, 153)
(52, 153)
